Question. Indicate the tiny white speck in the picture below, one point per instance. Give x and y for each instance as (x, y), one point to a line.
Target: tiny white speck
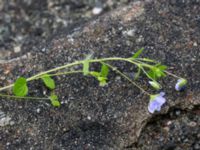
(38, 110)
(8, 143)
(88, 117)
(195, 44)
(71, 40)
(169, 123)
(130, 33)
(44, 49)
(97, 10)
(17, 49)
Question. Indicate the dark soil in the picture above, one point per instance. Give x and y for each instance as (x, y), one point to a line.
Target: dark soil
(27, 23)
(39, 35)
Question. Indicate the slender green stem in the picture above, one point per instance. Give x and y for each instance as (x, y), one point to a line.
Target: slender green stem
(143, 64)
(127, 78)
(26, 97)
(146, 60)
(147, 74)
(53, 70)
(66, 73)
(78, 63)
(6, 87)
(71, 65)
(173, 75)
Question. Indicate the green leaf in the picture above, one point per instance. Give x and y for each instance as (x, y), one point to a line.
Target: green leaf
(157, 72)
(162, 67)
(48, 81)
(151, 74)
(20, 87)
(137, 54)
(102, 81)
(54, 100)
(104, 70)
(95, 74)
(101, 78)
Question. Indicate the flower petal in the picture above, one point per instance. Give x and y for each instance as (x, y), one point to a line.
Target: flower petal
(156, 102)
(151, 108)
(153, 105)
(161, 100)
(162, 94)
(158, 108)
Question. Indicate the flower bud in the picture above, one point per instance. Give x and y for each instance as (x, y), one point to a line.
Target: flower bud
(155, 85)
(181, 84)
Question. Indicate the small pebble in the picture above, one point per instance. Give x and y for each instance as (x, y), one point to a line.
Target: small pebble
(140, 39)
(117, 78)
(88, 117)
(166, 129)
(17, 49)
(130, 33)
(97, 10)
(169, 123)
(8, 143)
(195, 44)
(64, 129)
(11, 123)
(38, 110)
(43, 49)
(4, 120)
(192, 124)
(71, 40)
(178, 112)
(196, 146)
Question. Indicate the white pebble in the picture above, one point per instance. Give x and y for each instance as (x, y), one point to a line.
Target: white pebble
(195, 44)
(130, 33)
(5, 121)
(17, 49)
(97, 10)
(38, 110)
(88, 117)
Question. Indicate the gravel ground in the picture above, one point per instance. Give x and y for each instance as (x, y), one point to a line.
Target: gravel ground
(177, 130)
(32, 22)
(52, 33)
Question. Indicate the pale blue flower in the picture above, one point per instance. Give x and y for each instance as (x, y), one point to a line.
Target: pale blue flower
(181, 84)
(156, 102)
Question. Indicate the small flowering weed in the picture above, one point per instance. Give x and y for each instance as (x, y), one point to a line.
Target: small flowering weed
(152, 69)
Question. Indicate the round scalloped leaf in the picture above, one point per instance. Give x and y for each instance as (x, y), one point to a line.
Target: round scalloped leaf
(20, 87)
